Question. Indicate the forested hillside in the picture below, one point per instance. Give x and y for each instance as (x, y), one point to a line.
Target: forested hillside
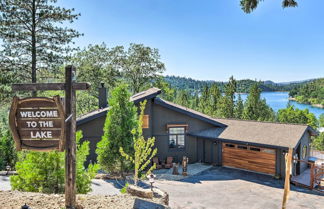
(243, 86)
(310, 93)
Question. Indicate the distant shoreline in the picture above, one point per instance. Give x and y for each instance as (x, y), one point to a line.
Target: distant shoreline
(314, 105)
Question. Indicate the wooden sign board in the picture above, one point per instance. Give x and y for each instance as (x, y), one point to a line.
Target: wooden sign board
(37, 123)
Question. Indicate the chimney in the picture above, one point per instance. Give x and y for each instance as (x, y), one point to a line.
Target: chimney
(102, 96)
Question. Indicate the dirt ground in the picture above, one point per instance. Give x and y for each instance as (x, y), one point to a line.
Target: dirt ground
(15, 199)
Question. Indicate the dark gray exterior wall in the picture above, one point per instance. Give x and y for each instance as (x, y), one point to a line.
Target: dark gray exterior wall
(304, 141)
(193, 147)
(92, 131)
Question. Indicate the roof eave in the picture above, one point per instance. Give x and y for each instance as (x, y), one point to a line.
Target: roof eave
(90, 118)
(151, 96)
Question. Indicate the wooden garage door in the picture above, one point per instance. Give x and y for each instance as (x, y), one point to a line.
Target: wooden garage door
(252, 158)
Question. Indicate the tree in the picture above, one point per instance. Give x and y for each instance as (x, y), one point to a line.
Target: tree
(249, 5)
(144, 151)
(292, 115)
(121, 120)
(204, 100)
(256, 108)
(139, 65)
(182, 98)
(239, 108)
(44, 171)
(226, 104)
(321, 120)
(318, 142)
(32, 38)
(8, 154)
(96, 64)
(215, 96)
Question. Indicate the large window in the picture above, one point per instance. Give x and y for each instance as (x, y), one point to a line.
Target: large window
(177, 137)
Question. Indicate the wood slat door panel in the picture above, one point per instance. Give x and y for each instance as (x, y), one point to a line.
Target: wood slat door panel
(260, 161)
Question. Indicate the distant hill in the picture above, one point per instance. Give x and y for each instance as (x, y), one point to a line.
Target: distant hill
(243, 86)
(310, 93)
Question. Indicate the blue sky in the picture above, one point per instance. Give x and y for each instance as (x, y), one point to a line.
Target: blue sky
(213, 39)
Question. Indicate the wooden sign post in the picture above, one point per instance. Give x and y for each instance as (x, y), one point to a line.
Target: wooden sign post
(42, 124)
(288, 159)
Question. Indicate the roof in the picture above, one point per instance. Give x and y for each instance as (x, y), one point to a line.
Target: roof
(188, 111)
(148, 94)
(267, 133)
(211, 133)
(91, 116)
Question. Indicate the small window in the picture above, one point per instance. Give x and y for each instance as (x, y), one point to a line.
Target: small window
(304, 152)
(241, 147)
(255, 149)
(177, 137)
(145, 121)
(270, 151)
(230, 145)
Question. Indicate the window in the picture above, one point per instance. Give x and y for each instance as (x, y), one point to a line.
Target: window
(145, 121)
(304, 152)
(241, 147)
(230, 145)
(177, 137)
(255, 149)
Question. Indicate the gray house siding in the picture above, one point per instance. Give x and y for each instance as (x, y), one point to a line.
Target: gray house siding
(304, 141)
(161, 118)
(92, 131)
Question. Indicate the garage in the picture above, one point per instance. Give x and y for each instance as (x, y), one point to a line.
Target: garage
(257, 159)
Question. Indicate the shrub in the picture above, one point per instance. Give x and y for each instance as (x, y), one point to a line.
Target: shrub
(44, 171)
(8, 154)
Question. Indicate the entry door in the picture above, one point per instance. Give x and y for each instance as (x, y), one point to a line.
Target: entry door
(262, 160)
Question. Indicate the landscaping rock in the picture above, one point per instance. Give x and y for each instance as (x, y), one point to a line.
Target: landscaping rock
(16, 199)
(139, 192)
(163, 196)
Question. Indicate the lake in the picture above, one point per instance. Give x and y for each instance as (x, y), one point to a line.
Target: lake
(279, 100)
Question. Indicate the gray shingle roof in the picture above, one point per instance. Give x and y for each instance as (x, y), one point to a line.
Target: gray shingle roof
(275, 134)
(148, 94)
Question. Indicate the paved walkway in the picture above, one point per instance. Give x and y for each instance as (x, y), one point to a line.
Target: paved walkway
(193, 169)
(5, 183)
(99, 187)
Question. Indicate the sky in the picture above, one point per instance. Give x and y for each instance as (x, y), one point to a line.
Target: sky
(212, 39)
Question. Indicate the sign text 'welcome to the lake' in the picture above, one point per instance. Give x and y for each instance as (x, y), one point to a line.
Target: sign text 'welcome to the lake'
(37, 123)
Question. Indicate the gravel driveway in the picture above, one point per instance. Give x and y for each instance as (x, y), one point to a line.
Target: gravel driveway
(230, 188)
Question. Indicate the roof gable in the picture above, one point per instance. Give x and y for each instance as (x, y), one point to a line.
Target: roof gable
(145, 95)
(188, 111)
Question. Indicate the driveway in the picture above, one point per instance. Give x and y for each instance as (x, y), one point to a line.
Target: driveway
(231, 188)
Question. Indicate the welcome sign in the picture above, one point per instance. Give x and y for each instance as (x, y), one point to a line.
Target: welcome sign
(37, 123)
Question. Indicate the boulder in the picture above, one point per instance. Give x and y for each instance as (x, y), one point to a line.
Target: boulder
(139, 192)
(163, 196)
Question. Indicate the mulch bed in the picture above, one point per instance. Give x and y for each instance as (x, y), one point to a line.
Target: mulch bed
(16, 199)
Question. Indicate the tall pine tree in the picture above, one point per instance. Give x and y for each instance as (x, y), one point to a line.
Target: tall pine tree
(121, 120)
(227, 103)
(33, 38)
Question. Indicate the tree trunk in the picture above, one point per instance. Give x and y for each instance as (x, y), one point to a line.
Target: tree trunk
(33, 48)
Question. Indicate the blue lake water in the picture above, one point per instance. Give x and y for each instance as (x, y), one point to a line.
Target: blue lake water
(279, 100)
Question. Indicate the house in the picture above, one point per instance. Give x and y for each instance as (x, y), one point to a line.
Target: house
(180, 131)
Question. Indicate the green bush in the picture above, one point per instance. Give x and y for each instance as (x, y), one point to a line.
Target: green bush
(8, 154)
(318, 142)
(44, 171)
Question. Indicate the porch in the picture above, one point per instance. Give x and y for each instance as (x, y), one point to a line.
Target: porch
(312, 178)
